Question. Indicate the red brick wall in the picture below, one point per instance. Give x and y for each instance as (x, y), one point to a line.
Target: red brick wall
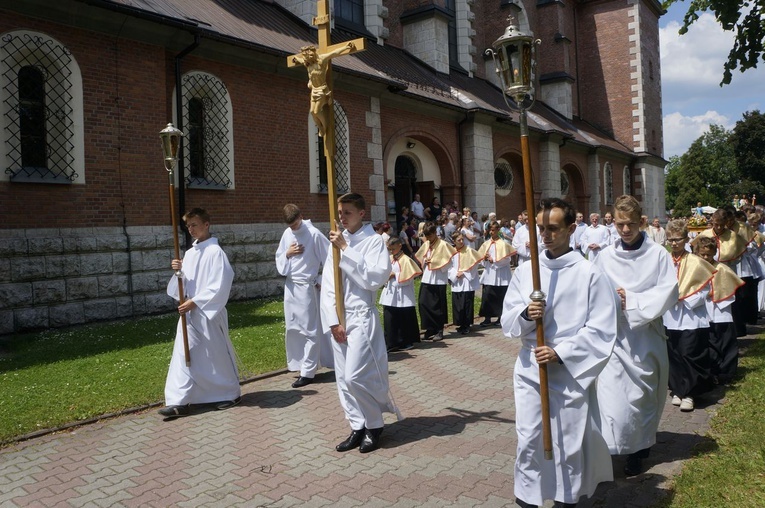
(604, 68)
(127, 93)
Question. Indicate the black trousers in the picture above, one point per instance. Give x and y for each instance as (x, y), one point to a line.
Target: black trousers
(433, 309)
(462, 308)
(492, 300)
(689, 363)
(400, 325)
(723, 350)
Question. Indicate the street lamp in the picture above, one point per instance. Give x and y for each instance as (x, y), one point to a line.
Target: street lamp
(514, 60)
(171, 142)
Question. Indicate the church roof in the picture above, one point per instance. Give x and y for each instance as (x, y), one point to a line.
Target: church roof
(264, 25)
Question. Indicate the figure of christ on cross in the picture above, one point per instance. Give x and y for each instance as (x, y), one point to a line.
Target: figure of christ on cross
(317, 65)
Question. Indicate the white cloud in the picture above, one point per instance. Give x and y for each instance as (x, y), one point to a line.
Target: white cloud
(680, 131)
(695, 59)
(691, 72)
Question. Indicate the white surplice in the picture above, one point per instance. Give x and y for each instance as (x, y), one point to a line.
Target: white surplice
(580, 325)
(213, 375)
(361, 363)
(308, 347)
(594, 234)
(632, 388)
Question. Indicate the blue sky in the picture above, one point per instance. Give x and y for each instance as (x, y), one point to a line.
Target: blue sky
(691, 72)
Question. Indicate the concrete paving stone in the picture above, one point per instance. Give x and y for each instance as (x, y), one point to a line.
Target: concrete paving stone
(276, 449)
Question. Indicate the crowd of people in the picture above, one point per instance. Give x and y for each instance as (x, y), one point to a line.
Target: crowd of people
(629, 310)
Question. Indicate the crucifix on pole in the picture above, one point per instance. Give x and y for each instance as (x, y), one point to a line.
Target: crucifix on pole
(319, 66)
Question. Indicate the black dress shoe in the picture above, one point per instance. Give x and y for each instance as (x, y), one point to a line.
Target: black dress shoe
(302, 381)
(171, 412)
(353, 441)
(634, 465)
(485, 323)
(371, 441)
(227, 404)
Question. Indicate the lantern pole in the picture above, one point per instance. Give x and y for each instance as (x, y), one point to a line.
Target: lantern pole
(513, 56)
(171, 140)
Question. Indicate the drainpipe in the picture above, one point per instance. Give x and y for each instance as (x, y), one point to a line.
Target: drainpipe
(462, 161)
(180, 168)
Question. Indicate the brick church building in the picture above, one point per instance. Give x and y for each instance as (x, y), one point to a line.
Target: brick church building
(86, 86)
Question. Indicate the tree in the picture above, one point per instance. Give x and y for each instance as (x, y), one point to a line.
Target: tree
(748, 140)
(732, 14)
(707, 172)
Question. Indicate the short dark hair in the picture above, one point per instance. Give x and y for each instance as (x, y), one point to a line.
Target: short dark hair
(429, 228)
(569, 212)
(291, 213)
(356, 200)
(394, 240)
(201, 213)
(706, 243)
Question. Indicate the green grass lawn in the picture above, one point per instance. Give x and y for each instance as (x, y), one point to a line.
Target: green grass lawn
(729, 468)
(61, 376)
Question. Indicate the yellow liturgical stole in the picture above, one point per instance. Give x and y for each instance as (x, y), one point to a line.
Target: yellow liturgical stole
(725, 283)
(730, 246)
(408, 269)
(693, 273)
(440, 255)
(468, 258)
(502, 249)
(746, 232)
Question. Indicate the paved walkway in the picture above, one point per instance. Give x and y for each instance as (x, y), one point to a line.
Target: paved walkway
(456, 446)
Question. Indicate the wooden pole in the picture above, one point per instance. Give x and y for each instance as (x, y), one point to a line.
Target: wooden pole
(179, 274)
(329, 153)
(537, 294)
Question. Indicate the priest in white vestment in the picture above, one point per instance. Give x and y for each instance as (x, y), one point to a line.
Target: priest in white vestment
(579, 317)
(595, 238)
(299, 257)
(361, 361)
(632, 389)
(212, 377)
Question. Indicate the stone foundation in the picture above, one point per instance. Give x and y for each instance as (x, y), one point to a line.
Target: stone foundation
(61, 277)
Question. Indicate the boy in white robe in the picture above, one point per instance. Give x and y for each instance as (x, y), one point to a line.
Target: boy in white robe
(631, 393)
(361, 361)
(579, 319)
(299, 257)
(212, 376)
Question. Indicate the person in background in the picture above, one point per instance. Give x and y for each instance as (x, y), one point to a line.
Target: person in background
(463, 276)
(687, 323)
(723, 343)
(398, 301)
(657, 233)
(435, 258)
(299, 258)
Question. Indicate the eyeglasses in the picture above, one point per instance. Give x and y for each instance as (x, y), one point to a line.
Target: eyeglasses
(677, 240)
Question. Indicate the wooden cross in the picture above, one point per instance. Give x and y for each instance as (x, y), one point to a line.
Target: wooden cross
(319, 66)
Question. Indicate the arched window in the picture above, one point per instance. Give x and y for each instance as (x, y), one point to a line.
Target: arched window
(208, 132)
(627, 181)
(32, 118)
(565, 185)
(342, 155)
(41, 112)
(608, 183)
(503, 178)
